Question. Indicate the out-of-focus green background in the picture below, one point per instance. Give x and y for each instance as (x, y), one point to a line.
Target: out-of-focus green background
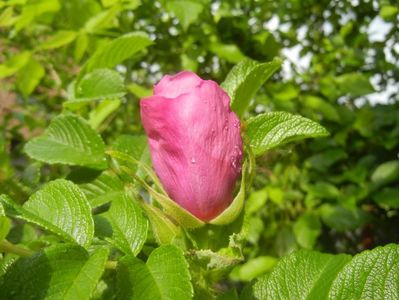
(341, 68)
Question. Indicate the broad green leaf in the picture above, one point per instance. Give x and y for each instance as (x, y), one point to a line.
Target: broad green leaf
(341, 218)
(100, 84)
(306, 229)
(301, 275)
(60, 272)
(14, 64)
(117, 51)
(29, 77)
(269, 130)
(100, 21)
(129, 226)
(229, 52)
(319, 105)
(68, 140)
(103, 189)
(385, 173)
(244, 80)
(370, 275)
(164, 276)
(59, 207)
(62, 204)
(133, 145)
(61, 38)
(354, 84)
(186, 11)
(388, 197)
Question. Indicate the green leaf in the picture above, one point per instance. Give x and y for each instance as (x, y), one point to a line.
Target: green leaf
(14, 64)
(301, 275)
(68, 140)
(100, 84)
(61, 38)
(103, 189)
(388, 12)
(253, 268)
(341, 218)
(29, 77)
(370, 275)
(269, 130)
(388, 197)
(306, 229)
(319, 105)
(117, 51)
(7, 18)
(229, 52)
(244, 80)
(164, 276)
(385, 173)
(100, 21)
(82, 41)
(186, 11)
(129, 226)
(59, 207)
(354, 84)
(60, 272)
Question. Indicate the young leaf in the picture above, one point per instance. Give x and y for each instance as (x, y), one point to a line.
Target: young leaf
(370, 275)
(60, 272)
(129, 226)
(59, 207)
(164, 276)
(270, 130)
(99, 84)
(186, 11)
(244, 80)
(68, 140)
(14, 64)
(29, 77)
(59, 39)
(301, 275)
(117, 51)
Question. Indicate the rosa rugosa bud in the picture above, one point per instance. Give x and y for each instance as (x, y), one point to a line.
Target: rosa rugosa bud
(195, 142)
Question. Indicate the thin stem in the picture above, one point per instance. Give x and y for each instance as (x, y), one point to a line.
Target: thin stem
(7, 247)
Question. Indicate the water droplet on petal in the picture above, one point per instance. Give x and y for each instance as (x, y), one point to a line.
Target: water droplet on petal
(193, 161)
(236, 124)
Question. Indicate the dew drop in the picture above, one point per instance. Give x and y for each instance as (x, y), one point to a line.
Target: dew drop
(237, 124)
(193, 161)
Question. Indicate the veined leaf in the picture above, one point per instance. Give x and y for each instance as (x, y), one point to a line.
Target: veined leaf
(129, 226)
(68, 140)
(164, 276)
(301, 275)
(59, 207)
(370, 275)
(244, 80)
(270, 130)
(117, 51)
(60, 272)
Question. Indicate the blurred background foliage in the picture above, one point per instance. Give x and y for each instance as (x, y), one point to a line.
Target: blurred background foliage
(341, 68)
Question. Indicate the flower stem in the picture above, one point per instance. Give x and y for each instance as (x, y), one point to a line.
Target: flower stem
(7, 247)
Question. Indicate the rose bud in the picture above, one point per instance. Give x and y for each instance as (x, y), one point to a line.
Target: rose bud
(195, 142)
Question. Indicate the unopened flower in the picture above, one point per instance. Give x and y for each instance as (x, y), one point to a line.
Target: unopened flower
(195, 142)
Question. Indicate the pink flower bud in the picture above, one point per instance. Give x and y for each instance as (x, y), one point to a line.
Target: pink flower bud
(195, 142)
